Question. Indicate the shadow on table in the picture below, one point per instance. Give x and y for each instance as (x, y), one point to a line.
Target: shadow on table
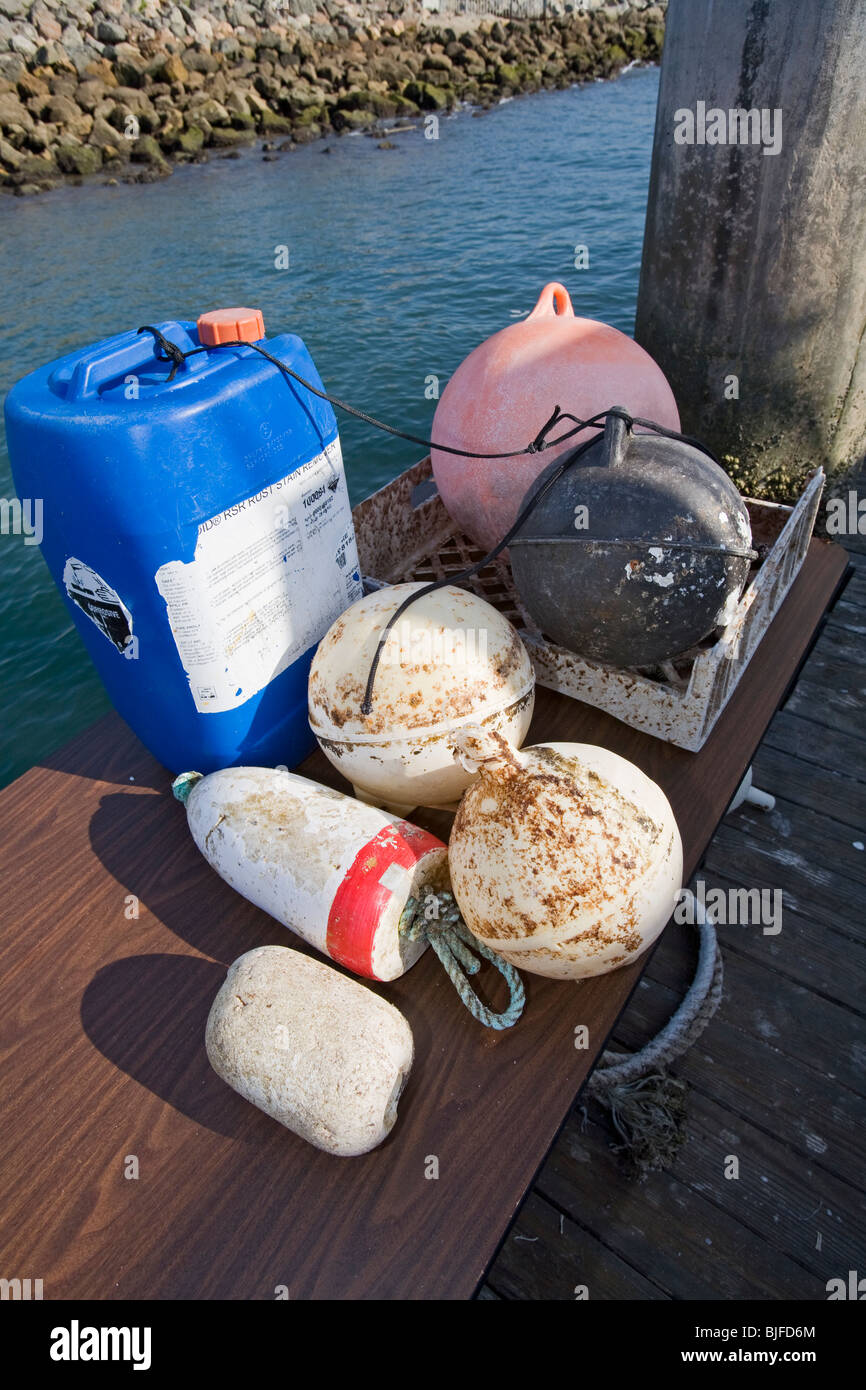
(109, 752)
(144, 843)
(147, 1015)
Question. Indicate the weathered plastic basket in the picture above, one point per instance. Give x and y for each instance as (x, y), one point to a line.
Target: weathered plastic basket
(404, 533)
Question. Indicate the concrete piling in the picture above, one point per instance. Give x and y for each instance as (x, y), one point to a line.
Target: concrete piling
(753, 283)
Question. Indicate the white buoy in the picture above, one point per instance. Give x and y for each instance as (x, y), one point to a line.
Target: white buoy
(313, 1049)
(451, 659)
(565, 859)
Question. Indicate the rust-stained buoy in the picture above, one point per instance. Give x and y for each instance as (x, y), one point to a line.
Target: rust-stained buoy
(565, 858)
(451, 659)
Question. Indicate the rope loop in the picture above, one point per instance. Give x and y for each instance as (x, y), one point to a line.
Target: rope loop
(170, 351)
(450, 938)
(683, 1028)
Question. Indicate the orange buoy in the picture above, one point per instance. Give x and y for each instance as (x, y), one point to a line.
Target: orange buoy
(505, 391)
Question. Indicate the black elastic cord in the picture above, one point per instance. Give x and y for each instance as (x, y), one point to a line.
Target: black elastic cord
(172, 353)
(540, 492)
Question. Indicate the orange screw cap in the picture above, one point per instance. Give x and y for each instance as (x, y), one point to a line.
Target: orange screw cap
(230, 325)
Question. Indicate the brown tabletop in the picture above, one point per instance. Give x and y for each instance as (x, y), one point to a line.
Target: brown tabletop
(102, 1036)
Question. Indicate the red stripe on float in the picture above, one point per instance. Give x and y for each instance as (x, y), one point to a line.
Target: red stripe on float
(362, 898)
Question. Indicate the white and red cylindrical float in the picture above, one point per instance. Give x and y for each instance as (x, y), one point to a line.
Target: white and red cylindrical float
(336, 871)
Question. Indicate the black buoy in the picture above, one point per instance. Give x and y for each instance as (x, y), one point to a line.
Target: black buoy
(637, 553)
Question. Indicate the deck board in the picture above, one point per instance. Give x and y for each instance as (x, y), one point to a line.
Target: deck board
(549, 1255)
(830, 961)
(779, 1076)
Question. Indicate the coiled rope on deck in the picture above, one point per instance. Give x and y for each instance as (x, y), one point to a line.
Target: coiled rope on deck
(646, 1104)
(438, 921)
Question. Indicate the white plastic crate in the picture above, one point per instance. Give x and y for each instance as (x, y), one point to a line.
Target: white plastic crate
(404, 534)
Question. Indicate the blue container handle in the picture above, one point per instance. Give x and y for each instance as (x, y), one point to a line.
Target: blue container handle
(128, 353)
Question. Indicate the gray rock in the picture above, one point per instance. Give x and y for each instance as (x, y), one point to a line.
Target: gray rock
(20, 43)
(12, 112)
(42, 137)
(237, 103)
(61, 111)
(80, 14)
(198, 61)
(224, 138)
(81, 59)
(147, 151)
(89, 94)
(52, 55)
(105, 137)
(213, 112)
(11, 67)
(241, 17)
(79, 159)
(109, 32)
(203, 30)
(190, 140)
(130, 68)
(45, 22)
(10, 158)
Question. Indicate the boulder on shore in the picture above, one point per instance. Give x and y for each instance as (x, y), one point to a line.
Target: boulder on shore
(87, 85)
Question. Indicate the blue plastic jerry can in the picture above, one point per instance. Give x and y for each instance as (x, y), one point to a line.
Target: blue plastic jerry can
(197, 523)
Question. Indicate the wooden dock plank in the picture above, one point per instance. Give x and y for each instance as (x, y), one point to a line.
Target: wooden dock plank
(818, 1121)
(831, 697)
(809, 1214)
(694, 1248)
(832, 790)
(549, 1256)
(812, 887)
(789, 1025)
(829, 840)
(848, 613)
(827, 961)
(817, 745)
